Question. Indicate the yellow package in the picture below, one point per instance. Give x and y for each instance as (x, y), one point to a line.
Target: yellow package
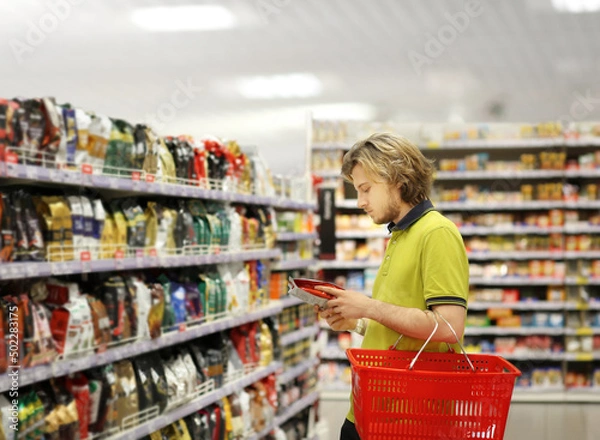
(108, 239)
(166, 162)
(151, 225)
(121, 229)
(170, 218)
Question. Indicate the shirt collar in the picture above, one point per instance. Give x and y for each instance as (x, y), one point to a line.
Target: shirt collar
(413, 215)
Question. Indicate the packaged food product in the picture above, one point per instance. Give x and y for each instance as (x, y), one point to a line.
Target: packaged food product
(7, 220)
(82, 124)
(127, 404)
(99, 134)
(101, 323)
(77, 222)
(119, 152)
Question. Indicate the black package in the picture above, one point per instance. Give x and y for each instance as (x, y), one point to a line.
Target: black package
(136, 223)
(145, 385)
(34, 231)
(131, 305)
(185, 234)
(7, 242)
(157, 372)
(21, 252)
(139, 148)
(194, 426)
(112, 294)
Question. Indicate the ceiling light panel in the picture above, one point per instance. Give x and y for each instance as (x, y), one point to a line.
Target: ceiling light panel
(293, 85)
(184, 18)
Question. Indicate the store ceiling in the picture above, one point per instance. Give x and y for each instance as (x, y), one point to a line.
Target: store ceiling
(513, 61)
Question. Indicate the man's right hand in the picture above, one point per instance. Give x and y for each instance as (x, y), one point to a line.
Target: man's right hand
(336, 321)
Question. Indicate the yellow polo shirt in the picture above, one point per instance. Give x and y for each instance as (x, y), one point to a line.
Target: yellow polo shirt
(425, 264)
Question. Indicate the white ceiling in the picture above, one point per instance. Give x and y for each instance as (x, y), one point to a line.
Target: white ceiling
(516, 61)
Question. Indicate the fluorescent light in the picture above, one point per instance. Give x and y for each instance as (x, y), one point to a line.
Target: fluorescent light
(355, 111)
(184, 18)
(576, 6)
(293, 85)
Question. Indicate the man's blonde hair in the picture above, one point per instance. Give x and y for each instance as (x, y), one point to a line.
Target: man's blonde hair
(395, 160)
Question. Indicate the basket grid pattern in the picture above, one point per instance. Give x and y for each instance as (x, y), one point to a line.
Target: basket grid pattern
(441, 398)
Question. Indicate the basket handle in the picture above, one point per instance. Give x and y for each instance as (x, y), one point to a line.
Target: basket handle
(435, 315)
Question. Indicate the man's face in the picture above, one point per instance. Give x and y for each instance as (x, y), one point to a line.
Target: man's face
(378, 199)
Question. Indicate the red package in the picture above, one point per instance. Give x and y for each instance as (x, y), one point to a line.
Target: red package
(78, 386)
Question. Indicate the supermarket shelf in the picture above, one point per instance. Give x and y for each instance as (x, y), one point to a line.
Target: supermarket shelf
(500, 206)
(582, 255)
(582, 357)
(290, 412)
(468, 144)
(529, 395)
(45, 269)
(60, 368)
(582, 228)
(582, 331)
(291, 373)
(516, 281)
(591, 173)
(534, 356)
(347, 204)
(512, 230)
(518, 255)
(333, 354)
(477, 144)
(572, 305)
(336, 392)
(583, 204)
(298, 335)
(32, 173)
(521, 305)
(502, 331)
(483, 174)
(296, 236)
(377, 233)
(583, 141)
(296, 407)
(520, 395)
(582, 281)
(327, 173)
(335, 264)
(292, 264)
(197, 404)
(290, 301)
(330, 146)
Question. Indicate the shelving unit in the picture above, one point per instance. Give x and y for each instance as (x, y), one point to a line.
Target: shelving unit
(139, 183)
(494, 198)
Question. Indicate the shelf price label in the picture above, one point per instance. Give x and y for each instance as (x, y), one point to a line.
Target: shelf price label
(139, 258)
(150, 178)
(135, 176)
(586, 357)
(584, 331)
(87, 170)
(86, 265)
(119, 257)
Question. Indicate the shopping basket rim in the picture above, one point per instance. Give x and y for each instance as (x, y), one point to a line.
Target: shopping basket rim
(508, 368)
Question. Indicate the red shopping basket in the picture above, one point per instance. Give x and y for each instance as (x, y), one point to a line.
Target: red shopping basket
(445, 395)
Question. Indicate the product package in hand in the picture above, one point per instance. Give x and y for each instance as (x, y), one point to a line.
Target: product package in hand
(305, 289)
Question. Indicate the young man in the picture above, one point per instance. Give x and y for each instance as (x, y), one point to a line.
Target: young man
(425, 267)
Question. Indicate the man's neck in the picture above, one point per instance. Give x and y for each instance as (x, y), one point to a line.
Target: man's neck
(404, 209)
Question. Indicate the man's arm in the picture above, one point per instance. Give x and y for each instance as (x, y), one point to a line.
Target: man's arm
(348, 306)
(417, 323)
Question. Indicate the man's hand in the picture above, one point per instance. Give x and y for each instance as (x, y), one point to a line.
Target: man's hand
(336, 321)
(343, 312)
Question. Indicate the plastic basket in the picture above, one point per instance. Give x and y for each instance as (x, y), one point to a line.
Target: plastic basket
(445, 395)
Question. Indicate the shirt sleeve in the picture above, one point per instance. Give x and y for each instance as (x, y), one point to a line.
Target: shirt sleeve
(445, 268)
